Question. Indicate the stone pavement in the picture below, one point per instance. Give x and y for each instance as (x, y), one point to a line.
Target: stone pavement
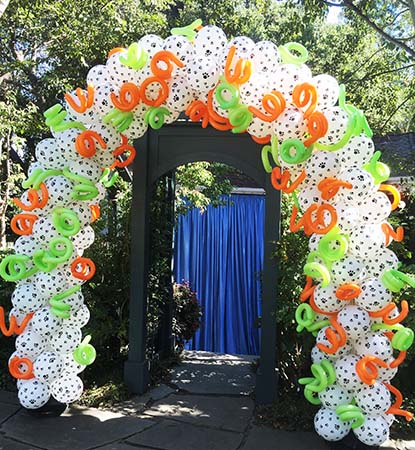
(205, 406)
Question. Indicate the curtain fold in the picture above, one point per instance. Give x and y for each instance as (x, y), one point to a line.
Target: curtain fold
(220, 252)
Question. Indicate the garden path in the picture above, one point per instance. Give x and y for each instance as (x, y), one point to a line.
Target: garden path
(206, 405)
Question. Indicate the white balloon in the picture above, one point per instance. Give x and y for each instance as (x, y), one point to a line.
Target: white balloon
(210, 42)
(152, 44)
(84, 238)
(253, 91)
(266, 57)
(385, 374)
(329, 426)
(83, 212)
(290, 124)
(354, 320)
(259, 128)
(18, 315)
(202, 65)
(348, 270)
(102, 98)
(334, 396)
(375, 209)
(79, 318)
(97, 75)
(45, 323)
(50, 283)
(340, 353)
(362, 182)
(27, 298)
(348, 217)
(30, 344)
(50, 155)
(181, 48)
(321, 165)
(374, 295)
(33, 394)
(59, 191)
(287, 77)
(374, 399)
(26, 245)
(337, 125)
(327, 90)
(66, 340)
(366, 241)
(71, 367)
(48, 366)
(86, 168)
(180, 94)
(357, 152)
(374, 431)
(119, 73)
(67, 389)
(326, 300)
(374, 344)
(377, 263)
(44, 231)
(66, 140)
(346, 375)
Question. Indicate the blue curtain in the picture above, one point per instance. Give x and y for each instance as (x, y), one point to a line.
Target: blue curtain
(220, 252)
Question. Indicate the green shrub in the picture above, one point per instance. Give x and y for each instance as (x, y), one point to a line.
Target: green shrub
(187, 314)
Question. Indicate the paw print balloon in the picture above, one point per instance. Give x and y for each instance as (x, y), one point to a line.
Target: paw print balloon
(374, 431)
(329, 426)
(48, 366)
(346, 375)
(67, 389)
(354, 320)
(30, 344)
(33, 394)
(45, 323)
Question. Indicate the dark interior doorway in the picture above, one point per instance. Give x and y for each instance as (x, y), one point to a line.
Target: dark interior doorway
(158, 153)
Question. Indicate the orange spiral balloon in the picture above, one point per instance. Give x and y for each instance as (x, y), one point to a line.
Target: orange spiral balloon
(34, 200)
(122, 149)
(305, 94)
(22, 224)
(167, 58)
(128, 97)
(83, 268)
(274, 105)
(83, 101)
(366, 368)
(162, 95)
(85, 143)
(330, 186)
(15, 371)
(317, 127)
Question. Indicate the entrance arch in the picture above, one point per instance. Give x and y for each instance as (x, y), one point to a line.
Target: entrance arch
(159, 152)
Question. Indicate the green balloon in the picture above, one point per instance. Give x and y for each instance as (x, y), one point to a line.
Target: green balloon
(154, 116)
(240, 118)
(332, 252)
(85, 353)
(318, 271)
(136, 57)
(13, 268)
(230, 88)
(66, 221)
(301, 153)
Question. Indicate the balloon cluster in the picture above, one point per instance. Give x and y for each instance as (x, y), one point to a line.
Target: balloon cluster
(317, 148)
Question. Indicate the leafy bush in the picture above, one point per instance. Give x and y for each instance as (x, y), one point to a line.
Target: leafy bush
(187, 313)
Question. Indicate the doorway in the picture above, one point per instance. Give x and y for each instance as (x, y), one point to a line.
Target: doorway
(159, 152)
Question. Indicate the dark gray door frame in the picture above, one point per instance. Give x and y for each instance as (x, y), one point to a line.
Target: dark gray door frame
(159, 152)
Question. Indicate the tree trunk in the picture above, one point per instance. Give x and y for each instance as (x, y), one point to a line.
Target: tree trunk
(4, 186)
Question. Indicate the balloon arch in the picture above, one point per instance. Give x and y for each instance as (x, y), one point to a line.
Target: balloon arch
(317, 149)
